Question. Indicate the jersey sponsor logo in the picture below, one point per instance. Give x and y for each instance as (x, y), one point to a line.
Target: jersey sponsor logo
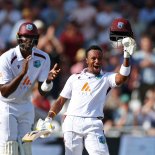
(26, 81)
(37, 63)
(86, 87)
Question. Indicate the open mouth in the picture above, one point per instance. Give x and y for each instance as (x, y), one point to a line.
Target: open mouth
(97, 68)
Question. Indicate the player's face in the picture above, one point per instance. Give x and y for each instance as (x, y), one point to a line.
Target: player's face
(94, 61)
(26, 45)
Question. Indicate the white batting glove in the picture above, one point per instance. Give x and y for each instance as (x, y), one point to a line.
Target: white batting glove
(45, 125)
(129, 45)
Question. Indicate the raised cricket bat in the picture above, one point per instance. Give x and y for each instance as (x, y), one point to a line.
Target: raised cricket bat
(33, 135)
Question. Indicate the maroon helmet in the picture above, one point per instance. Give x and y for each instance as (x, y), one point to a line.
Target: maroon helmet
(119, 29)
(28, 29)
(27, 36)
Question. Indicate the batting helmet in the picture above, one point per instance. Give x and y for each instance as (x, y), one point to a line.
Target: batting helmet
(27, 30)
(119, 29)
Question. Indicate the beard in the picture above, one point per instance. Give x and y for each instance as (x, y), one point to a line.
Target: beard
(26, 47)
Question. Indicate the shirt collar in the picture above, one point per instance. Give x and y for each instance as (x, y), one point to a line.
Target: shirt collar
(19, 55)
(85, 71)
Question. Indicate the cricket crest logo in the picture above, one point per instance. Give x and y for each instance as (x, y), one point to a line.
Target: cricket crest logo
(120, 25)
(37, 63)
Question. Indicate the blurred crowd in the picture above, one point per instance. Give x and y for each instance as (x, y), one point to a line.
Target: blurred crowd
(68, 27)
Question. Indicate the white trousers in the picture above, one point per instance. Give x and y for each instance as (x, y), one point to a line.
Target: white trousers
(82, 132)
(15, 121)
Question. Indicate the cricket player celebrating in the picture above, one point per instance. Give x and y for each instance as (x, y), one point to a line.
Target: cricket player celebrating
(20, 68)
(87, 92)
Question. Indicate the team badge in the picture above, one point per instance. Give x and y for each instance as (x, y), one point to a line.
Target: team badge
(37, 63)
(102, 139)
(29, 27)
(120, 25)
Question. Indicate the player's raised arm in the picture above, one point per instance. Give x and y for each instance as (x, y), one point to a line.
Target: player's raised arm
(129, 47)
(121, 36)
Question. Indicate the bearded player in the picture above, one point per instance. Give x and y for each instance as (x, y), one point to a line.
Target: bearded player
(87, 93)
(20, 68)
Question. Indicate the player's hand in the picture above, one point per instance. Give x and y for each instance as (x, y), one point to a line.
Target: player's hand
(129, 45)
(45, 125)
(53, 73)
(25, 65)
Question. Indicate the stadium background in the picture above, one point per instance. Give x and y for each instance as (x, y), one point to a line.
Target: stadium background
(67, 28)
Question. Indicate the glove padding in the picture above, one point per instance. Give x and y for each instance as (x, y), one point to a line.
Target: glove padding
(45, 125)
(129, 46)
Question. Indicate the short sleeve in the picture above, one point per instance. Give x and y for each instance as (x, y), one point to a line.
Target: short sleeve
(5, 71)
(67, 90)
(45, 70)
(111, 79)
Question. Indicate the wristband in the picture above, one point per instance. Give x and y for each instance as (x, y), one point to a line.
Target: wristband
(125, 71)
(46, 86)
(51, 112)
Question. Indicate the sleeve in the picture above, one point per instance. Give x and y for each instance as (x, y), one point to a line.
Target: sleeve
(5, 72)
(67, 90)
(45, 70)
(111, 79)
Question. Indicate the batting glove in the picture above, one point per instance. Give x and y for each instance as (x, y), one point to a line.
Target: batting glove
(129, 45)
(45, 125)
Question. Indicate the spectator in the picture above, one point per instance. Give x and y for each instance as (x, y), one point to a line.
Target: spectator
(123, 115)
(9, 15)
(72, 40)
(144, 59)
(85, 15)
(55, 10)
(147, 14)
(49, 43)
(80, 63)
(112, 103)
(104, 17)
(146, 116)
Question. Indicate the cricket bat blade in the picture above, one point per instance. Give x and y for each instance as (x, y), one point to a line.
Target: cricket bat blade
(33, 135)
